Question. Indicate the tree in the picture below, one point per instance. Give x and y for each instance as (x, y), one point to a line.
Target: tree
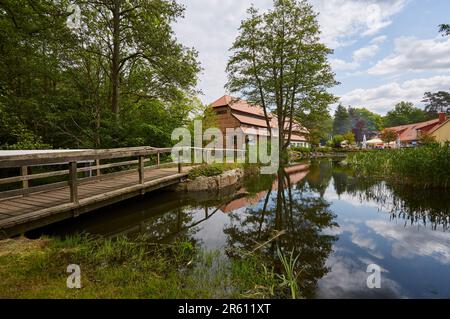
(279, 63)
(364, 122)
(436, 102)
(349, 137)
(60, 88)
(318, 122)
(136, 44)
(388, 136)
(427, 139)
(337, 140)
(444, 29)
(341, 123)
(404, 113)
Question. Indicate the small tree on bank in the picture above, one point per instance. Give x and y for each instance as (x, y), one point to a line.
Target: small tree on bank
(349, 137)
(279, 63)
(388, 136)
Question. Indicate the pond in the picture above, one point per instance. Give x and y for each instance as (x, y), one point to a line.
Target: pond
(338, 225)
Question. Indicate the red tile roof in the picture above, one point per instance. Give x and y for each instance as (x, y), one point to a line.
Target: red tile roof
(250, 114)
(408, 132)
(250, 120)
(238, 105)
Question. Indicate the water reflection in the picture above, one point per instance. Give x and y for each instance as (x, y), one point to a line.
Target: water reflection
(337, 223)
(290, 207)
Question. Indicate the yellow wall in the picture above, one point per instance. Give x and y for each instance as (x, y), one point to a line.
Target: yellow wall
(442, 134)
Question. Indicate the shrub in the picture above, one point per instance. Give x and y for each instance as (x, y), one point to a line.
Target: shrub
(306, 150)
(211, 170)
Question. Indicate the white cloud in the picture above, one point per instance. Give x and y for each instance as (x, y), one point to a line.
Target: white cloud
(341, 65)
(366, 53)
(342, 21)
(359, 56)
(212, 25)
(383, 98)
(348, 279)
(415, 55)
(410, 242)
(378, 40)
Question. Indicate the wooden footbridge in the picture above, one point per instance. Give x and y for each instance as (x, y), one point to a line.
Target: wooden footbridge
(44, 187)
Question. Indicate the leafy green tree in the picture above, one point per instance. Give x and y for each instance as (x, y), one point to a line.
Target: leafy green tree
(318, 121)
(66, 87)
(341, 122)
(388, 136)
(349, 137)
(136, 43)
(436, 102)
(364, 122)
(444, 29)
(279, 63)
(34, 40)
(404, 113)
(337, 140)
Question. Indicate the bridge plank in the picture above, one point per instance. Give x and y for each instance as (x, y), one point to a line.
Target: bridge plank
(28, 210)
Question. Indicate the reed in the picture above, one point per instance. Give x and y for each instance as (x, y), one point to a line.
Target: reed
(427, 166)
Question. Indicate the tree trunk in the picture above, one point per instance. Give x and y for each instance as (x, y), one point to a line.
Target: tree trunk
(115, 67)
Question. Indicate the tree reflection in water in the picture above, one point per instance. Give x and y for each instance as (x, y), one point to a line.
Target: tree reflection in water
(294, 209)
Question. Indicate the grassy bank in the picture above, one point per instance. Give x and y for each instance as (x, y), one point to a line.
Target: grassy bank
(124, 268)
(215, 169)
(427, 166)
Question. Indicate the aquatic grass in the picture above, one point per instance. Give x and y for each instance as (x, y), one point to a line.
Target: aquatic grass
(129, 268)
(291, 274)
(426, 166)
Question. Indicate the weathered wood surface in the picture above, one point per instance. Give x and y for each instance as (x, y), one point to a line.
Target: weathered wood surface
(22, 210)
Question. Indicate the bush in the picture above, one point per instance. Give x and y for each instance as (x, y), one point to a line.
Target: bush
(211, 170)
(305, 150)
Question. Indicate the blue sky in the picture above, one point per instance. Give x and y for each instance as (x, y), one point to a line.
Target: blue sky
(386, 51)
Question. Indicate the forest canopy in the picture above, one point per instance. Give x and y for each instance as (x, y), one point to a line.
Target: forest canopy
(100, 74)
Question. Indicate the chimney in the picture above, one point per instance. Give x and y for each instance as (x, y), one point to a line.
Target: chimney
(442, 117)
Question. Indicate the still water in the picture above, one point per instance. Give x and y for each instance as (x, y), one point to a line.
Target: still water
(337, 223)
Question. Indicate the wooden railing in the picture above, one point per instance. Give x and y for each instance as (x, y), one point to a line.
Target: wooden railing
(65, 164)
(71, 159)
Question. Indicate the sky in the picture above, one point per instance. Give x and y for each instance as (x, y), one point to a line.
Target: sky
(385, 51)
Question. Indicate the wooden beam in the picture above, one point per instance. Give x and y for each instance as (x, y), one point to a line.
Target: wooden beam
(76, 156)
(141, 169)
(73, 182)
(98, 170)
(24, 173)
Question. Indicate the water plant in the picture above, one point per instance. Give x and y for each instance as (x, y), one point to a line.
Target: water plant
(426, 166)
(290, 276)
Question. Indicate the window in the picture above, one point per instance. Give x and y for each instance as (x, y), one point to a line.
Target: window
(221, 112)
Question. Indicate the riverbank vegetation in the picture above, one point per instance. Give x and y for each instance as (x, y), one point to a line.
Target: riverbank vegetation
(426, 166)
(126, 268)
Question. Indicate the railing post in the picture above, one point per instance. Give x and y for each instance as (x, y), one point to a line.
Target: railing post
(98, 171)
(159, 159)
(179, 162)
(73, 182)
(141, 170)
(24, 172)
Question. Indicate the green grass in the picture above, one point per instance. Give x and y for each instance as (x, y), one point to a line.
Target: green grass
(124, 268)
(427, 166)
(212, 169)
